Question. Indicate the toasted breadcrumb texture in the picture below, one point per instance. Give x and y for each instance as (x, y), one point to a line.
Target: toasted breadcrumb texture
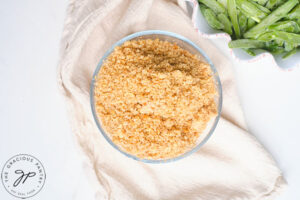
(154, 98)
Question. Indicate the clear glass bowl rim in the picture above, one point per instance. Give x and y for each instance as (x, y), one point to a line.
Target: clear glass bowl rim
(170, 34)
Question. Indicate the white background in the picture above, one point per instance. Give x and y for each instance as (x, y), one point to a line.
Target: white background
(33, 117)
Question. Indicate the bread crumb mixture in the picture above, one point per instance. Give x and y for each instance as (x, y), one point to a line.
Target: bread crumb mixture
(154, 98)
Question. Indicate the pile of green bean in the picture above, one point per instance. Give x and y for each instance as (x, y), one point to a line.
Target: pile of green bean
(272, 25)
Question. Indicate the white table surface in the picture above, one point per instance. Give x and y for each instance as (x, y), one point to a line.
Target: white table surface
(33, 117)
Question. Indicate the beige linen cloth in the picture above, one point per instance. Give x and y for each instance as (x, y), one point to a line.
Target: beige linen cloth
(232, 165)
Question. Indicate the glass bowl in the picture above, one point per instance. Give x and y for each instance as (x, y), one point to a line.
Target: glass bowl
(187, 45)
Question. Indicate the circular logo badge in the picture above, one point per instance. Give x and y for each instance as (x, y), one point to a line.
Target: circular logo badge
(23, 176)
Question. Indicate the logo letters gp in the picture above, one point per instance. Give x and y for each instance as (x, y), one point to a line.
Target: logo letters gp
(23, 176)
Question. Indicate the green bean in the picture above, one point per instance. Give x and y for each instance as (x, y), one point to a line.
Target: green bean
(270, 19)
(249, 9)
(202, 8)
(274, 3)
(277, 51)
(290, 53)
(250, 52)
(262, 8)
(281, 36)
(295, 13)
(251, 23)
(269, 37)
(288, 26)
(214, 5)
(232, 12)
(261, 2)
(273, 46)
(211, 19)
(289, 46)
(272, 25)
(223, 2)
(226, 22)
(289, 40)
(247, 44)
(279, 41)
(242, 22)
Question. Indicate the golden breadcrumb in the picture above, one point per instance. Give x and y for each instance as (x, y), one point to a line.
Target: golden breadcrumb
(154, 98)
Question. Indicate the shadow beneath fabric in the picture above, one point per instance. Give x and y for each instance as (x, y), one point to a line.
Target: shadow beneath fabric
(132, 188)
